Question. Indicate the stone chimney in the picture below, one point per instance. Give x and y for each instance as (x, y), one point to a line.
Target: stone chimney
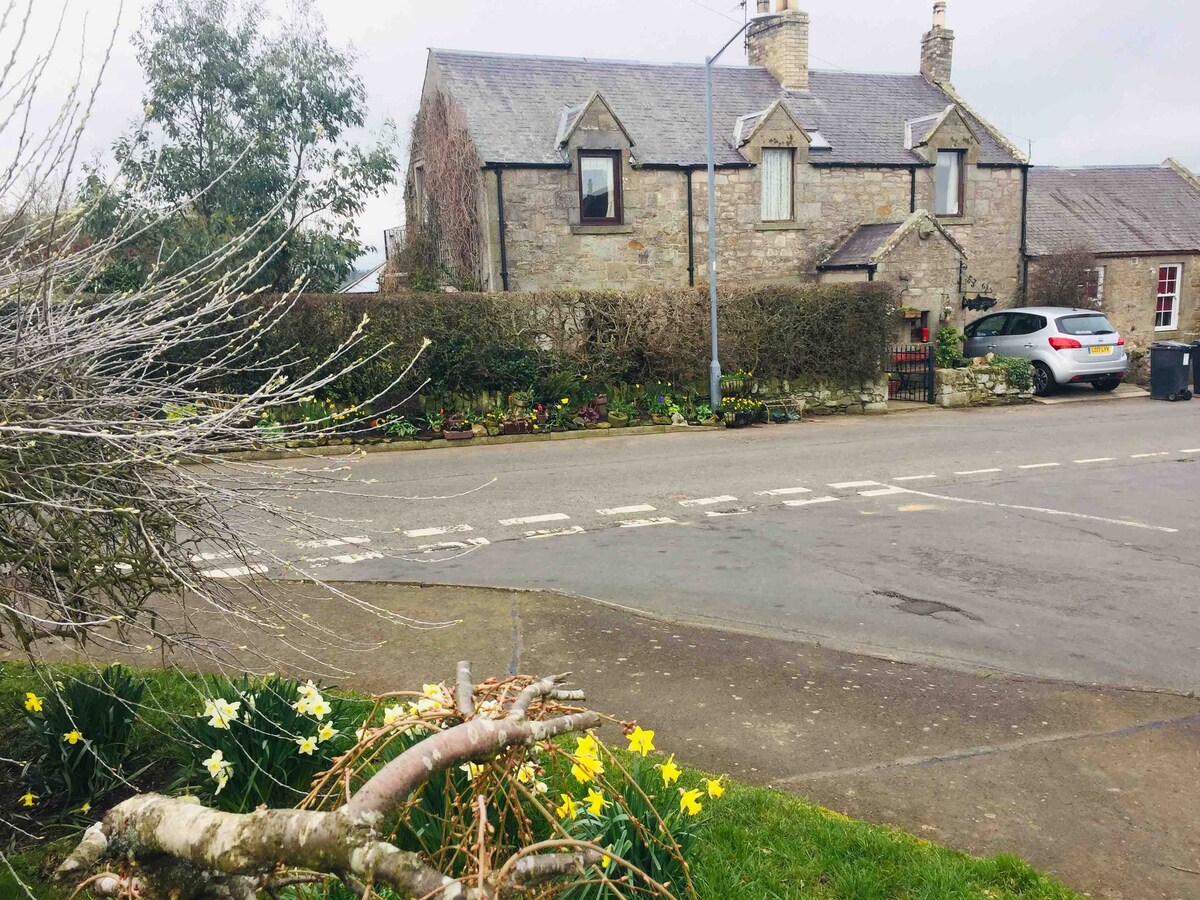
(937, 47)
(779, 42)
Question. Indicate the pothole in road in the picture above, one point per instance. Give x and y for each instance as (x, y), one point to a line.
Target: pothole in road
(918, 607)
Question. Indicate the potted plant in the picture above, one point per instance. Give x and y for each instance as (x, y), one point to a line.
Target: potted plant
(704, 415)
(457, 428)
(399, 427)
(660, 411)
(910, 312)
(737, 384)
(588, 415)
(433, 428)
(600, 404)
(519, 400)
(620, 414)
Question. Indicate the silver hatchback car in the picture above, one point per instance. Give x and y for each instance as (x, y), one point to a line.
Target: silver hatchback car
(1064, 345)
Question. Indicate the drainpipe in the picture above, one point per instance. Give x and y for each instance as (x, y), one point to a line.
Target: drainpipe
(912, 190)
(1024, 233)
(691, 229)
(500, 214)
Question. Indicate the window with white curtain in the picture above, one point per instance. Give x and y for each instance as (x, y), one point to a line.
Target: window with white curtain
(948, 175)
(777, 171)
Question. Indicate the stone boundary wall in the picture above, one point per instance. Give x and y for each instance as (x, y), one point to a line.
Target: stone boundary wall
(822, 399)
(976, 386)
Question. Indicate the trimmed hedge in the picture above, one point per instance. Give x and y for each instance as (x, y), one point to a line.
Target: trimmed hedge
(502, 342)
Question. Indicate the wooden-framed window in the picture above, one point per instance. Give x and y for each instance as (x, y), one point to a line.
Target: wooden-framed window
(1166, 306)
(777, 169)
(600, 187)
(949, 174)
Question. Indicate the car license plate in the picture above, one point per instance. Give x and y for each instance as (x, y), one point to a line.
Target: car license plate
(1100, 350)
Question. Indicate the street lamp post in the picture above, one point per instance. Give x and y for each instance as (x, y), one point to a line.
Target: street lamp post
(714, 367)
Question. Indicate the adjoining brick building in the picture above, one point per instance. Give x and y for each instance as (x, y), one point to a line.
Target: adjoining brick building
(593, 172)
(1142, 225)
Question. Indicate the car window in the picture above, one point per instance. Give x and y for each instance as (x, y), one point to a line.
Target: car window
(1086, 323)
(1024, 323)
(988, 326)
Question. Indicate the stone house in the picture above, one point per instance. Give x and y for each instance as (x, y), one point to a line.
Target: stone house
(1142, 225)
(592, 173)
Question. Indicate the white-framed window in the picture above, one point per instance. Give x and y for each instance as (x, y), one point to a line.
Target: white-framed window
(1094, 286)
(1166, 306)
(778, 171)
(948, 183)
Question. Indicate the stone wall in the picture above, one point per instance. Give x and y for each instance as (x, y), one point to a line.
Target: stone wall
(548, 250)
(1131, 291)
(823, 400)
(976, 386)
(925, 272)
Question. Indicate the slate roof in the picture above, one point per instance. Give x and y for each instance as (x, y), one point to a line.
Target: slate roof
(856, 250)
(513, 106)
(1113, 209)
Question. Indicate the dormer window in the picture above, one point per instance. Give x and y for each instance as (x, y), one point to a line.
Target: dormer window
(948, 179)
(600, 187)
(778, 169)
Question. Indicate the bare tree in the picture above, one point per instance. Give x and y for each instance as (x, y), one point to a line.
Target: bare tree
(1067, 278)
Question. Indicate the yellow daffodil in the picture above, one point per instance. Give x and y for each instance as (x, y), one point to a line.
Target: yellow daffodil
(526, 774)
(86, 808)
(714, 786)
(568, 809)
(586, 768)
(73, 737)
(595, 802)
(307, 744)
(565, 400)
(393, 714)
(33, 703)
(29, 798)
(641, 740)
(689, 802)
(587, 746)
(472, 770)
(670, 771)
(319, 708)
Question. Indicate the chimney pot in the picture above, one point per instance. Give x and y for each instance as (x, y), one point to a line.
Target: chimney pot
(939, 14)
(764, 7)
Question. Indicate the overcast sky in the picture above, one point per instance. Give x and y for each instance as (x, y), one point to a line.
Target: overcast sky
(1087, 81)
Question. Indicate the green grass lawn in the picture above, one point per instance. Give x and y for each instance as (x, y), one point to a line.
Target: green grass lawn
(759, 844)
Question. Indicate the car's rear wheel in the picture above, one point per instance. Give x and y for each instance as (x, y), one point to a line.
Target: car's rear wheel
(1043, 379)
(1107, 384)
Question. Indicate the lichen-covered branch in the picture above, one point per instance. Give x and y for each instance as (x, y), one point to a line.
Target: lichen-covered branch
(187, 851)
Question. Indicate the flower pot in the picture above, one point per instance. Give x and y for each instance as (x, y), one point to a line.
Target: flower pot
(427, 434)
(457, 435)
(516, 402)
(711, 420)
(661, 420)
(744, 418)
(618, 420)
(600, 405)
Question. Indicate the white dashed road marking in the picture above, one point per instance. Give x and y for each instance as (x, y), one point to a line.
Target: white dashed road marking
(553, 532)
(646, 523)
(533, 520)
(1148, 455)
(236, 571)
(1095, 460)
(845, 485)
(1193, 450)
(812, 502)
(884, 492)
(434, 532)
(1049, 512)
(978, 471)
(627, 510)
(914, 477)
(333, 542)
(351, 558)
(741, 511)
(1040, 466)
(708, 501)
(783, 492)
(454, 545)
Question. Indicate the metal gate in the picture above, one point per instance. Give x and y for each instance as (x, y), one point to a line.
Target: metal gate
(912, 367)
